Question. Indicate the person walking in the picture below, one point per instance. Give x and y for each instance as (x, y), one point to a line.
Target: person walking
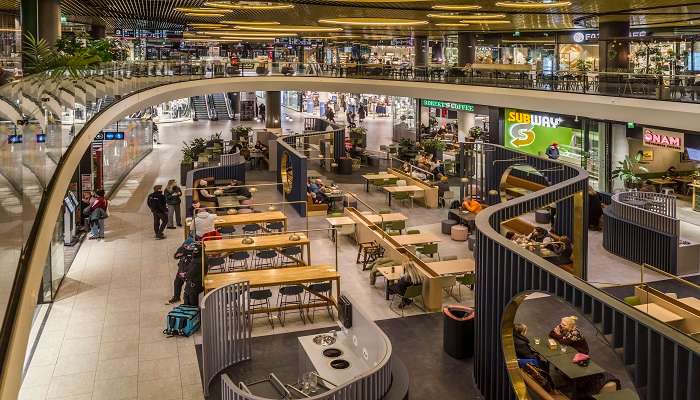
(362, 113)
(330, 115)
(173, 198)
(261, 112)
(156, 202)
(98, 214)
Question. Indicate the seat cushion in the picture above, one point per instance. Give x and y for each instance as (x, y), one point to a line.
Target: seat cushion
(447, 225)
(291, 290)
(459, 233)
(260, 294)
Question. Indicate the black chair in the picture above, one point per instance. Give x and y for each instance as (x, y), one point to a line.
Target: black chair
(283, 299)
(238, 260)
(294, 251)
(260, 299)
(312, 299)
(265, 258)
(275, 226)
(251, 229)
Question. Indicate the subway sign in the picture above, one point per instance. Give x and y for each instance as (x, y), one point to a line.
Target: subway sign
(449, 105)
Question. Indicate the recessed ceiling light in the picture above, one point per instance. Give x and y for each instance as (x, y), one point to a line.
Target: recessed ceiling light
(262, 38)
(206, 26)
(533, 4)
(248, 5)
(373, 21)
(456, 7)
(465, 16)
(203, 14)
(201, 10)
(258, 34)
(485, 21)
(288, 28)
(451, 24)
(229, 22)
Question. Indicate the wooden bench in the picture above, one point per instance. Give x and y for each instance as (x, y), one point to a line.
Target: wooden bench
(522, 227)
(314, 210)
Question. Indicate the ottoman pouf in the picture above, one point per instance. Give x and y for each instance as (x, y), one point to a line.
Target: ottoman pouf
(459, 233)
(542, 216)
(447, 225)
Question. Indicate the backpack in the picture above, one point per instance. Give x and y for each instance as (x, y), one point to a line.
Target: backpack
(183, 320)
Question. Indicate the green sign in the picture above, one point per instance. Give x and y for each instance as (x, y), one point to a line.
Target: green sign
(534, 132)
(448, 105)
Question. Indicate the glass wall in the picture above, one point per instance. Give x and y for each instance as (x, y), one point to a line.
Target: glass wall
(121, 153)
(404, 118)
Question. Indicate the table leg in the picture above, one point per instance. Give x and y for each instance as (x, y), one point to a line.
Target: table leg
(386, 289)
(389, 194)
(367, 186)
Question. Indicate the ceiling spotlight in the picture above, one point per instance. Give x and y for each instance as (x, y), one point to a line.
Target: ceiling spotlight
(451, 24)
(456, 7)
(229, 22)
(248, 5)
(533, 4)
(373, 21)
(287, 28)
(485, 21)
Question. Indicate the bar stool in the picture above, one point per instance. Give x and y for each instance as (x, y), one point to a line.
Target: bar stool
(265, 259)
(251, 229)
(240, 257)
(275, 226)
(320, 288)
(215, 264)
(287, 252)
(259, 299)
(283, 300)
(227, 230)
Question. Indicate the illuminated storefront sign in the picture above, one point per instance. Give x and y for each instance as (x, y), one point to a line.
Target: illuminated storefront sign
(533, 132)
(448, 105)
(664, 139)
(582, 37)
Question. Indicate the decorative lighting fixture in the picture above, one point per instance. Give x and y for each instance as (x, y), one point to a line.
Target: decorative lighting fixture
(485, 21)
(288, 28)
(448, 24)
(229, 22)
(272, 208)
(258, 34)
(456, 7)
(373, 21)
(248, 5)
(203, 10)
(294, 237)
(532, 4)
(247, 240)
(467, 16)
(206, 26)
(205, 14)
(334, 165)
(253, 189)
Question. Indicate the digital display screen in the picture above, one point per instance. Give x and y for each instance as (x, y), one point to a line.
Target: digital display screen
(113, 135)
(693, 154)
(12, 139)
(41, 138)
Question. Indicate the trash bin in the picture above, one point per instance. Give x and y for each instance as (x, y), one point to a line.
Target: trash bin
(458, 331)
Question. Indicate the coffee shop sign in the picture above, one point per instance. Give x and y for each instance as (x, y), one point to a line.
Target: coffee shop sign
(664, 139)
(581, 37)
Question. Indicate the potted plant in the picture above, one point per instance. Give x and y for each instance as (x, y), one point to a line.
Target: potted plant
(628, 171)
(241, 133)
(187, 162)
(407, 149)
(434, 147)
(476, 132)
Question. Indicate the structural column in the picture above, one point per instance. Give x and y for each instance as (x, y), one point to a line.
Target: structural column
(40, 19)
(466, 48)
(420, 47)
(614, 54)
(273, 110)
(98, 32)
(465, 121)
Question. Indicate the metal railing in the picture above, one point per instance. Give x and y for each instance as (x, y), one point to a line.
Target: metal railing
(655, 211)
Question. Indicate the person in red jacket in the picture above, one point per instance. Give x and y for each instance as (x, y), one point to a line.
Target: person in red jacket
(97, 214)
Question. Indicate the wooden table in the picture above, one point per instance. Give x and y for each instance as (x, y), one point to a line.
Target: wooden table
(420, 238)
(276, 241)
(453, 267)
(378, 176)
(251, 218)
(391, 274)
(402, 189)
(659, 183)
(335, 222)
(382, 218)
(563, 361)
(228, 201)
(623, 394)
(279, 277)
(693, 302)
(659, 312)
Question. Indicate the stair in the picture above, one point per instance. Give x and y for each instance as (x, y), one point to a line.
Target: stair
(199, 107)
(219, 102)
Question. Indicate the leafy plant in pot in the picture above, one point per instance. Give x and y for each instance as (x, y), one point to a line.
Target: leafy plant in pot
(476, 132)
(628, 171)
(241, 133)
(434, 147)
(407, 149)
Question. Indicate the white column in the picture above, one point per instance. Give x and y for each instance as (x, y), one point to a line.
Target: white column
(465, 121)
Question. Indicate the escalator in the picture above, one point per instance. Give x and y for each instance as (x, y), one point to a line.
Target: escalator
(220, 104)
(199, 105)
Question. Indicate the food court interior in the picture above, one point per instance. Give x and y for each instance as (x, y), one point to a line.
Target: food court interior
(218, 209)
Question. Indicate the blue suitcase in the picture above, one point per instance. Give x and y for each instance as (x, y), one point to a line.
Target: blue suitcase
(183, 320)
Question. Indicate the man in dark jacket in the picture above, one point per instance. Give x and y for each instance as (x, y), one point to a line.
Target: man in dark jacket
(156, 202)
(184, 255)
(193, 278)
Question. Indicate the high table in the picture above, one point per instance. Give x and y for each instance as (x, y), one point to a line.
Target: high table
(420, 238)
(278, 277)
(276, 241)
(377, 176)
(659, 312)
(336, 222)
(401, 189)
(383, 218)
(251, 218)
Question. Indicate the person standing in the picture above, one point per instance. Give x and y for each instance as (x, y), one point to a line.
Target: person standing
(362, 113)
(553, 151)
(173, 198)
(98, 213)
(156, 202)
(261, 112)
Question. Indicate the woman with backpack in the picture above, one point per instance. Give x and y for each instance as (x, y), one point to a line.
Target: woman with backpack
(173, 196)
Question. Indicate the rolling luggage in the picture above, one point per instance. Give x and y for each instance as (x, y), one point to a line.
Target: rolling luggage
(183, 320)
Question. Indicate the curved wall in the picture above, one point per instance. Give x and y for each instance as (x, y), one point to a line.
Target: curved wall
(28, 277)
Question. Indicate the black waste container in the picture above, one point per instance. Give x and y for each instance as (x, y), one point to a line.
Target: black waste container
(345, 166)
(458, 331)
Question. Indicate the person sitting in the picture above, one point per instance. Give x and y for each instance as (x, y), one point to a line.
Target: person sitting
(409, 277)
(567, 334)
(235, 189)
(595, 209)
(204, 194)
(563, 251)
(671, 172)
(437, 167)
(523, 351)
(203, 223)
(443, 186)
(538, 235)
(406, 167)
(472, 205)
(259, 146)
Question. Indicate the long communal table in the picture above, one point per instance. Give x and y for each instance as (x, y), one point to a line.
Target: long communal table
(251, 218)
(261, 242)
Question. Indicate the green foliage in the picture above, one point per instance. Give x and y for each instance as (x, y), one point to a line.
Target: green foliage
(476, 132)
(583, 66)
(628, 169)
(433, 145)
(241, 133)
(192, 150)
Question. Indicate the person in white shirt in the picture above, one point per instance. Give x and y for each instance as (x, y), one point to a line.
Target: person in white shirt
(202, 223)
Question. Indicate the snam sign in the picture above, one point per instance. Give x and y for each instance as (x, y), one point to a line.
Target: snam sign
(665, 139)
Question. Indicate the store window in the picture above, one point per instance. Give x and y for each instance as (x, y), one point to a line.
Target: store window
(404, 118)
